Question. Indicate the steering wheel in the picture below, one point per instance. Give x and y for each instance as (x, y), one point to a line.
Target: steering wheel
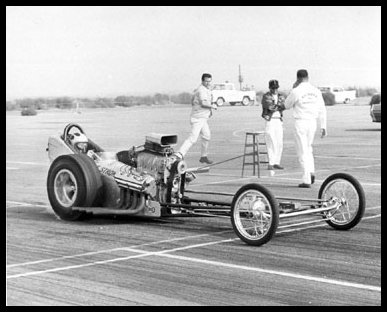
(68, 128)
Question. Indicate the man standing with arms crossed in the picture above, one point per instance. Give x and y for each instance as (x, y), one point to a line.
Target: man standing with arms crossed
(308, 105)
(201, 111)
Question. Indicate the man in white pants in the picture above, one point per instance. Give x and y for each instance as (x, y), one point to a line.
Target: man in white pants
(308, 105)
(272, 107)
(201, 111)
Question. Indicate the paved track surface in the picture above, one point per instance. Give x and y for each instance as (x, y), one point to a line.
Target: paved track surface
(117, 260)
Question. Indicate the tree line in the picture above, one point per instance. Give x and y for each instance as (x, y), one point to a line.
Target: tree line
(65, 102)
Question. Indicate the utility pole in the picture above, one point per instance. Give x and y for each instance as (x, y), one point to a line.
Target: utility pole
(240, 78)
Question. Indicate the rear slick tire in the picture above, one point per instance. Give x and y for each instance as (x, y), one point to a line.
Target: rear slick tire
(73, 180)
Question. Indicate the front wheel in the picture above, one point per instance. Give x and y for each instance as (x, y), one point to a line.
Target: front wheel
(245, 101)
(345, 190)
(219, 101)
(254, 214)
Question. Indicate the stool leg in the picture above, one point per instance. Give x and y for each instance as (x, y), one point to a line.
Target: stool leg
(258, 162)
(254, 152)
(267, 155)
(244, 156)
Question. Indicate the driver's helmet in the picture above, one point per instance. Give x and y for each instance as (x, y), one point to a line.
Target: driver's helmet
(79, 141)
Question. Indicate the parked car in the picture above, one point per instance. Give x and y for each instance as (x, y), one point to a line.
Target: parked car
(376, 107)
(226, 92)
(341, 95)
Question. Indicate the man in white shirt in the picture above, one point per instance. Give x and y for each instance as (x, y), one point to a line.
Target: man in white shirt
(201, 111)
(308, 105)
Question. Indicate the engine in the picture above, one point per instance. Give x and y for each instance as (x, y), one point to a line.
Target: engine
(157, 159)
(152, 170)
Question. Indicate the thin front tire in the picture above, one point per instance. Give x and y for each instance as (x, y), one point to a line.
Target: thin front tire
(346, 191)
(254, 214)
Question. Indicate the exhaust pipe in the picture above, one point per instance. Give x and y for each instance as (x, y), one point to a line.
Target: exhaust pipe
(135, 202)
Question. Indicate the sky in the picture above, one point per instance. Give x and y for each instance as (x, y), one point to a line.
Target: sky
(129, 50)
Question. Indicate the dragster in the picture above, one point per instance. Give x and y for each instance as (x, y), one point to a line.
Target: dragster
(152, 181)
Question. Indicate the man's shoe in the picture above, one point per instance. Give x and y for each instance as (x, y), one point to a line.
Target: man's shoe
(312, 177)
(270, 167)
(304, 185)
(278, 167)
(205, 160)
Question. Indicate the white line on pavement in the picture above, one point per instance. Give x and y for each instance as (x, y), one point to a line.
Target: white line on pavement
(165, 253)
(113, 250)
(28, 163)
(18, 204)
(274, 272)
(148, 244)
(168, 241)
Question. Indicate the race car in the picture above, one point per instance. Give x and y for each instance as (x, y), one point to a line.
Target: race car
(136, 180)
(151, 181)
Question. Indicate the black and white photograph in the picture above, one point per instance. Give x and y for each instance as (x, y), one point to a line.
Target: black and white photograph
(193, 156)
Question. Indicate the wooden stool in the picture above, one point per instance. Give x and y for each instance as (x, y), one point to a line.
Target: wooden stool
(255, 153)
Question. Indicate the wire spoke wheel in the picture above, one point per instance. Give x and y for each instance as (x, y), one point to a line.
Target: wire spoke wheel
(254, 214)
(346, 192)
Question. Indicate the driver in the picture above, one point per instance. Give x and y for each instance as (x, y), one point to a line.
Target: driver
(79, 141)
